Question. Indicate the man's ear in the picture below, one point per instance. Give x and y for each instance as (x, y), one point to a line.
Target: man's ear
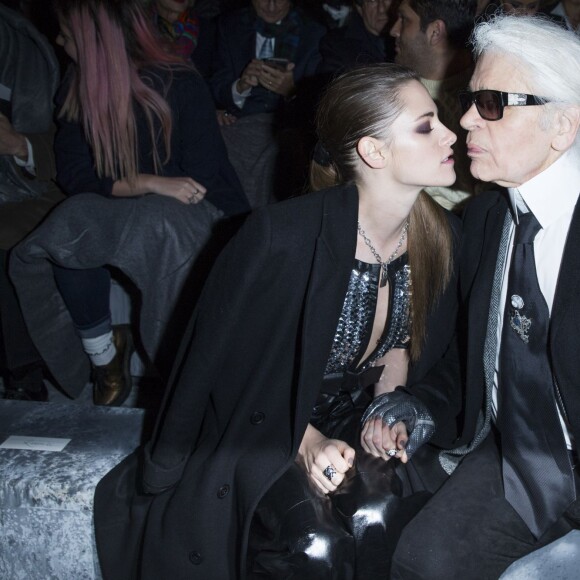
(372, 152)
(567, 125)
(436, 32)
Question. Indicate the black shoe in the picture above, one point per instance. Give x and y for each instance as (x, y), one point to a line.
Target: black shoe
(112, 382)
(27, 386)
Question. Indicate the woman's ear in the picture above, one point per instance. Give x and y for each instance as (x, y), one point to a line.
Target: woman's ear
(567, 124)
(372, 152)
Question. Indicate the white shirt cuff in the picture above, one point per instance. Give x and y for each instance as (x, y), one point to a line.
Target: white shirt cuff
(239, 98)
(27, 165)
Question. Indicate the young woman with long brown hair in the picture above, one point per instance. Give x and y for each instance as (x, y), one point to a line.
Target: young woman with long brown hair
(270, 460)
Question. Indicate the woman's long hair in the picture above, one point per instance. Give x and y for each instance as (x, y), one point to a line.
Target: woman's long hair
(114, 42)
(365, 102)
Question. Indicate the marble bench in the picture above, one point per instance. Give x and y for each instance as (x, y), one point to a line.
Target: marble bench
(46, 497)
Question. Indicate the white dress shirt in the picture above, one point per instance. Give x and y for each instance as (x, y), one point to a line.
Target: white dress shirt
(551, 196)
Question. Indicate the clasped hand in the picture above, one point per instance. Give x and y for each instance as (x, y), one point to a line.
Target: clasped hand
(317, 452)
(380, 440)
(258, 72)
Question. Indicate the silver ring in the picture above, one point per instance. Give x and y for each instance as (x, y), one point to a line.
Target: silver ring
(329, 472)
(392, 452)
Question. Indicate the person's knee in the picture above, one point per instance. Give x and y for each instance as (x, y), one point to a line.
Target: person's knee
(418, 557)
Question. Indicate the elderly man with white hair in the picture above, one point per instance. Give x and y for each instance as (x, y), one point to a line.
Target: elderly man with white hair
(506, 400)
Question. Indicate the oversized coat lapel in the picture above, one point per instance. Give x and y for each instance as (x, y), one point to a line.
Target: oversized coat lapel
(331, 267)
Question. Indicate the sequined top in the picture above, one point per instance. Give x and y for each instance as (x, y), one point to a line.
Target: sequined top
(358, 312)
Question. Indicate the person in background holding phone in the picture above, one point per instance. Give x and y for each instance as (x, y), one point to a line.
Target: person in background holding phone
(262, 100)
(244, 82)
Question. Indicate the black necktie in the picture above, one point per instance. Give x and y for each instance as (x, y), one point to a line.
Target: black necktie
(537, 474)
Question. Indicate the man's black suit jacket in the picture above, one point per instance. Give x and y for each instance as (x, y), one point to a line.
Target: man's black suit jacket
(455, 389)
(236, 47)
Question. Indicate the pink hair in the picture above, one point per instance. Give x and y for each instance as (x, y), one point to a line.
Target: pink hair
(114, 42)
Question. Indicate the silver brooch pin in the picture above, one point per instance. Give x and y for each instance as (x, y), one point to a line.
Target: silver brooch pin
(520, 323)
(517, 301)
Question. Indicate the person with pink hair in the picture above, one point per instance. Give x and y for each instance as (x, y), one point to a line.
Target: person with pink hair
(134, 120)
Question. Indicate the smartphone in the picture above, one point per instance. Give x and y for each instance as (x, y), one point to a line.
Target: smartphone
(277, 63)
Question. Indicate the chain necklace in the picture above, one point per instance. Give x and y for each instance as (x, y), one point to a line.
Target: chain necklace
(377, 256)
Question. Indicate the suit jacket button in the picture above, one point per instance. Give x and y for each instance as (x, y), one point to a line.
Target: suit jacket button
(195, 558)
(257, 418)
(223, 491)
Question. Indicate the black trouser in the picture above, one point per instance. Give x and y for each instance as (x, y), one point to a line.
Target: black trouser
(482, 534)
(19, 352)
(86, 295)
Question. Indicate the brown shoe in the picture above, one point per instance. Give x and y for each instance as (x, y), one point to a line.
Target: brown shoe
(112, 382)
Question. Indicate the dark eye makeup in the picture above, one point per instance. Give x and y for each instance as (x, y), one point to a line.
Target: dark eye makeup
(424, 128)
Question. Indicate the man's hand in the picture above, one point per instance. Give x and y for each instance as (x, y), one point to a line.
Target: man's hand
(250, 76)
(278, 81)
(380, 440)
(12, 142)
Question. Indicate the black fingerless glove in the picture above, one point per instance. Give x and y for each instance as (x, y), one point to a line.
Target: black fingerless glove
(399, 406)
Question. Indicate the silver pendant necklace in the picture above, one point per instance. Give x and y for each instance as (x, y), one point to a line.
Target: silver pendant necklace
(384, 263)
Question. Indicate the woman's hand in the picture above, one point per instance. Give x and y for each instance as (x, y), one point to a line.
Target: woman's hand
(184, 189)
(380, 440)
(317, 453)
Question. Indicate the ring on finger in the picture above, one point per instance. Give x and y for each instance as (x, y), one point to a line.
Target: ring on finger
(392, 452)
(329, 472)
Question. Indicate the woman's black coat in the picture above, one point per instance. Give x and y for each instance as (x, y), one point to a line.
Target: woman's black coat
(243, 394)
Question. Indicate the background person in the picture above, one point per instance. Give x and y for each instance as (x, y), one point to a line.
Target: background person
(151, 131)
(189, 34)
(363, 39)
(29, 77)
(431, 38)
(268, 107)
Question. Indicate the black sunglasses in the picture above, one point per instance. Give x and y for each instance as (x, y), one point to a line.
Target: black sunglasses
(490, 104)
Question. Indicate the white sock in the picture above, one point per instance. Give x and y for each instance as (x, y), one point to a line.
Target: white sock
(101, 349)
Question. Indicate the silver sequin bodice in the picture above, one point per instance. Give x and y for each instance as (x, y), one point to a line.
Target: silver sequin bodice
(358, 313)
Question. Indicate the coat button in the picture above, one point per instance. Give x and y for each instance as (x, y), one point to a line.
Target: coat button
(223, 491)
(195, 558)
(257, 418)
